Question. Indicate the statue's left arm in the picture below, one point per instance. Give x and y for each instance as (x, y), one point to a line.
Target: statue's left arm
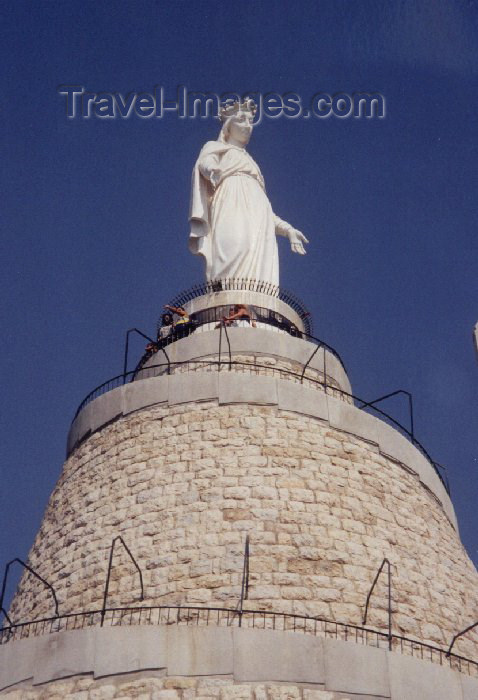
(296, 238)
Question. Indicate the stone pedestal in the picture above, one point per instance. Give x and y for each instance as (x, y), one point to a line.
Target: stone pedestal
(257, 436)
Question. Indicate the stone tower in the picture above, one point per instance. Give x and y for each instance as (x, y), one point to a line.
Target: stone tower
(252, 505)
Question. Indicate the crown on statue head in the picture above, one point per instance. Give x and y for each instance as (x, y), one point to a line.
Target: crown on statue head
(231, 107)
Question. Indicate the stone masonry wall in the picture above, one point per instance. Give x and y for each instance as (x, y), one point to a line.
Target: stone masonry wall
(149, 687)
(183, 486)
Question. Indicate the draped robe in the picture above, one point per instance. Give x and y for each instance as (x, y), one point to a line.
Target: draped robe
(233, 226)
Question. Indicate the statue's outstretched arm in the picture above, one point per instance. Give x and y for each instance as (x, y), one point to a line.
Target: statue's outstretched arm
(296, 238)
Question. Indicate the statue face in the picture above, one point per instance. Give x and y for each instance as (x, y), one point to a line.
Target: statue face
(240, 127)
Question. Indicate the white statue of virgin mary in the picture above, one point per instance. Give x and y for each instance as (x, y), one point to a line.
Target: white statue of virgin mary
(232, 223)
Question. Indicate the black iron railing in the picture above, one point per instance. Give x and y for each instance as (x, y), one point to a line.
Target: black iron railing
(249, 285)
(183, 330)
(228, 617)
(223, 362)
(108, 575)
(325, 384)
(173, 337)
(34, 573)
(389, 597)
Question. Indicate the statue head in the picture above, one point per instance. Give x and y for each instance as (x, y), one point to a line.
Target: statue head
(237, 121)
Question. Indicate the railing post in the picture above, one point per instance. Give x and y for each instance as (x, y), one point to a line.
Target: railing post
(34, 573)
(410, 402)
(308, 363)
(2, 610)
(460, 634)
(385, 561)
(371, 404)
(107, 585)
(245, 580)
(389, 607)
(228, 346)
(220, 343)
(126, 349)
(167, 359)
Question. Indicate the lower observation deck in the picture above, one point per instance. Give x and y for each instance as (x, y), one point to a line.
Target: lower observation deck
(245, 646)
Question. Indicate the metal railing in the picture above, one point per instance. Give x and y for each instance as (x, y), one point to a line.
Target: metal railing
(183, 330)
(126, 349)
(389, 598)
(249, 285)
(261, 619)
(223, 328)
(34, 573)
(460, 634)
(190, 615)
(113, 383)
(108, 575)
(389, 396)
(245, 581)
(193, 365)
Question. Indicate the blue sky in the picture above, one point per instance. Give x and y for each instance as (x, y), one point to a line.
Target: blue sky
(94, 224)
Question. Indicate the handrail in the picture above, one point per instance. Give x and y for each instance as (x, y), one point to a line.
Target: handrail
(107, 585)
(126, 350)
(308, 363)
(388, 396)
(98, 391)
(303, 335)
(34, 573)
(414, 442)
(132, 373)
(295, 622)
(244, 284)
(110, 384)
(460, 634)
(385, 561)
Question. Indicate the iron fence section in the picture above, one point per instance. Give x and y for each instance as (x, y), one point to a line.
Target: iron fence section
(114, 382)
(215, 365)
(228, 617)
(249, 285)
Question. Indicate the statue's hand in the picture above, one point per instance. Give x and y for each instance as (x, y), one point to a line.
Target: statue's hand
(297, 240)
